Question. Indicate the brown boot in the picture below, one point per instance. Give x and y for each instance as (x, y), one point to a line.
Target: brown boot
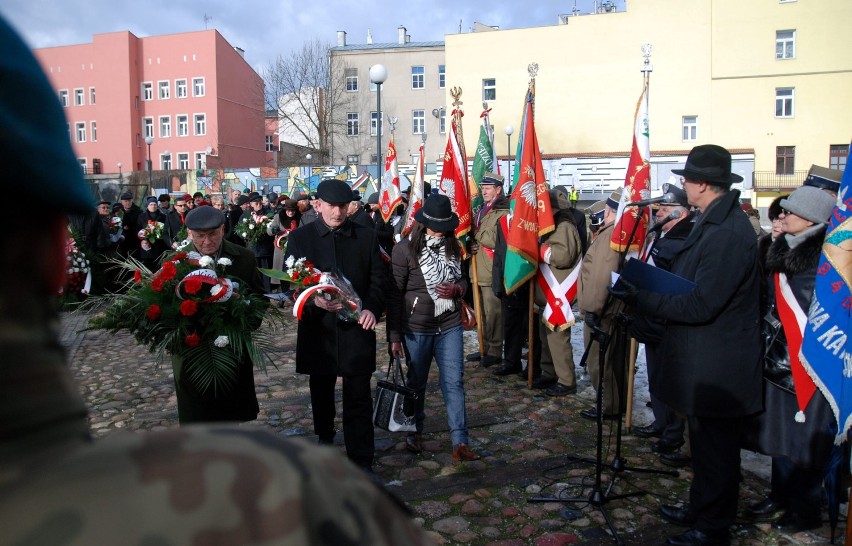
(463, 453)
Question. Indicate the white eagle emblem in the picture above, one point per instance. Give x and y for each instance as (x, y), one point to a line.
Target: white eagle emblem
(527, 192)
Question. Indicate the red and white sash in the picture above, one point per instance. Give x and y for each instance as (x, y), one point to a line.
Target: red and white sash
(793, 320)
(557, 313)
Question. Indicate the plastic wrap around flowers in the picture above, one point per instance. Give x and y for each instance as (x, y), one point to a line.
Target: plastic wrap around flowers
(332, 288)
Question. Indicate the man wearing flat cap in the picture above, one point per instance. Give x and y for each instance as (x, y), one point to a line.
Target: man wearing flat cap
(206, 232)
(327, 346)
(495, 206)
(710, 352)
(357, 213)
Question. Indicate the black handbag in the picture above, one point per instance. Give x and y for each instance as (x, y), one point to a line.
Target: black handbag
(395, 402)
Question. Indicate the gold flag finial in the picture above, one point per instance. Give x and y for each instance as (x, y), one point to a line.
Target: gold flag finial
(456, 93)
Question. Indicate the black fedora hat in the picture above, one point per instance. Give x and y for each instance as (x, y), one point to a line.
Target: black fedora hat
(437, 214)
(709, 163)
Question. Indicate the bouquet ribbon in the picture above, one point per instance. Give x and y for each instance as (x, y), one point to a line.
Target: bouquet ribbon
(209, 277)
(306, 294)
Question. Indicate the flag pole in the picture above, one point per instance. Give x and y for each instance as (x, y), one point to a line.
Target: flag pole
(530, 334)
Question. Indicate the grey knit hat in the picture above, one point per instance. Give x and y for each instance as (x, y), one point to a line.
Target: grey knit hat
(810, 203)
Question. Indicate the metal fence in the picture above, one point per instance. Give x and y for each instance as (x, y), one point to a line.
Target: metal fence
(770, 181)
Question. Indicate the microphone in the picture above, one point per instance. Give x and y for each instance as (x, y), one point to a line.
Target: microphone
(674, 215)
(665, 198)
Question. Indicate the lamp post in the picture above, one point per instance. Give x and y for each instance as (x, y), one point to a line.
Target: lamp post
(509, 130)
(310, 159)
(378, 75)
(149, 140)
(119, 172)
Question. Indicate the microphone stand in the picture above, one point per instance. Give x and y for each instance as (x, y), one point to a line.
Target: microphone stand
(617, 334)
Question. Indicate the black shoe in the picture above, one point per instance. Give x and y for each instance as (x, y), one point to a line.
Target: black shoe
(561, 390)
(694, 537)
(592, 415)
(488, 361)
(326, 440)
(473, 357)
(506, 369)
(676, 459)
(678, 516)
(648, 431)
(666, 446)
(543, 382)
(792, 522)
(767, 508)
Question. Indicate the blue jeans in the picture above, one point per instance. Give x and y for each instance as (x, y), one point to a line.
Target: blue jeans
(448, 351)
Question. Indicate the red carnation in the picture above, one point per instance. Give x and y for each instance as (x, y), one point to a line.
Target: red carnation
(157, 285)
(192, 285)
(188, 308)
(137, 276)
(192, 340)
(179, 256)
(153, 312)
(168, 271)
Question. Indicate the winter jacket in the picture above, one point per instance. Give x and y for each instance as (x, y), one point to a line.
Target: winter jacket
(486, 236)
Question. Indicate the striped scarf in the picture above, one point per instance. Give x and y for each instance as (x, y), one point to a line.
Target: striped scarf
(437, 268)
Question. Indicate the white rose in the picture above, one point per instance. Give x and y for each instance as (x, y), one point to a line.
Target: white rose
(251, 226)
(221, 341)
(224, 261)
(243, 235)
(205, 261)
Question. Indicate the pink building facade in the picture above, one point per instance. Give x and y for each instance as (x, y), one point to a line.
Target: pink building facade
(193, 93)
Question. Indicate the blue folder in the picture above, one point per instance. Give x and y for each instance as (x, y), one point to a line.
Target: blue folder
(647, 277)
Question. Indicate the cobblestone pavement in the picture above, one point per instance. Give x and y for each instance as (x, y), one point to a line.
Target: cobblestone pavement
(525, 439)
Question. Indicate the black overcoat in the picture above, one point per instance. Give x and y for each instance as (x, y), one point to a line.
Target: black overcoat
(711, 351)
(326, 345)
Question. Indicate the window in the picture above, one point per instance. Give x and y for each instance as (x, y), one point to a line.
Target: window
(165, 162)
(418, 74)
(442, 76)
(200, 124)
(147, 127)
(182, 121)
(353, 124)
(63, 97)
(373, 159)
(785, 157)
(200, 162)
(352, 79)
(80, 131)
(165, 126)
(180, 89)
(784, 102)
(489, 89)
(79, 97)
(690, 128)
(198, 88)
(374, 124)
(837, 156)
(91, 95)
(183, 162)
(785, 44)
(164, 89)
(353, 159)
(147, 91)
(270, 143)
(418, 122)
(442, 121)
(94, 128)
(83, 166)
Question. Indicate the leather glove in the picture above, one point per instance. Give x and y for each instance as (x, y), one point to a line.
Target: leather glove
(448, 290)
(474, 247)
(592, 320)
(625, 292)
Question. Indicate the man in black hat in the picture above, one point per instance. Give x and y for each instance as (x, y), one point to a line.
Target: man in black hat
(328, 347)
(235, 212)
(710, 352)
(264, 248)
(129, 246)
(310, 213)
(485, 225)
(206, 233)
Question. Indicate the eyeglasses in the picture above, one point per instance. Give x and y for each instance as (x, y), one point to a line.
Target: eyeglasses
(786, 212)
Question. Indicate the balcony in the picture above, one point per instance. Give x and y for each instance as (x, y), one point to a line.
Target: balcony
(770, 181)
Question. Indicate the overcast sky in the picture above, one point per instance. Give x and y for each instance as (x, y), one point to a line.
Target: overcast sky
(266, 29)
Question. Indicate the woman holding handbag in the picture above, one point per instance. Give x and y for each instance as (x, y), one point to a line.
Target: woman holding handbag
(424, 312)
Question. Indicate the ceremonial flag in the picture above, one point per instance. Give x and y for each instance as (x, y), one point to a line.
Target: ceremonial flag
(529, 206)
(454, 180)
(637, 184)
(484, 161)
(825, 350)
(415, 198)
(361, 182)
(390, 196)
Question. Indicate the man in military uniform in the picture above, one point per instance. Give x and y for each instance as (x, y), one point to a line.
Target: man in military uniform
(193, 485)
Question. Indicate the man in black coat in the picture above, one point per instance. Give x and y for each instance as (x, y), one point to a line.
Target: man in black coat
(710, 351)
(328, 347)
(129, 246)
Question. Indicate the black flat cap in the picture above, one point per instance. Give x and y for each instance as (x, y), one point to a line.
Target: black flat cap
(334, 192)
(126, 195)
(204, 217)
(242, 200)
(356, 195)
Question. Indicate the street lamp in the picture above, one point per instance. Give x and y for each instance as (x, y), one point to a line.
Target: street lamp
(149, 140)
(119, 171)
(378, 75)
(509, 130)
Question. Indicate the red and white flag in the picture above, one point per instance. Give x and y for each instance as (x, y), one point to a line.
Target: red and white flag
(415, 198)
(390, 196)
(454, 181)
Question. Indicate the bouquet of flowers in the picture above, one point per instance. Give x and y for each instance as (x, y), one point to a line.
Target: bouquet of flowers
(150, 233)
(252, 228)
(115, 224)
(191, 309)
(79, 272)
(311, 282)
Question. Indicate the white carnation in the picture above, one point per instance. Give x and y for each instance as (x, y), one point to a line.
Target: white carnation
(243, 235)
(224, 261)
(221, 341)
(205, 261)
(251, 226)
(289, 261)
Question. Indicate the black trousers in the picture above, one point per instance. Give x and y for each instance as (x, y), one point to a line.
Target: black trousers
(666, 420)
(715, 446)
(357, 414)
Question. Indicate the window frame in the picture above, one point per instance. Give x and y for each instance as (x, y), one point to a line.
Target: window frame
(166, 161)
(786, 102)
(148, 127)
(689, 124)
(269, 143)
(418, 79)
(353, 159)
(199, 83)
(375, 124)
(837, 154)
(786, 44)
(147, 91)
(350, 80)
(164, 90)
(353, 124)
(80, 131)
(79, 96)
(181, 85)
(785, 160)
(442, 76)
(195, 121)
(442, 121)
(164, 124)
(93, 131)
(182, 120)
(486, 87)
(92, 96)
(418, 122)
(200, 160)
(183, 159)
(64, 98)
